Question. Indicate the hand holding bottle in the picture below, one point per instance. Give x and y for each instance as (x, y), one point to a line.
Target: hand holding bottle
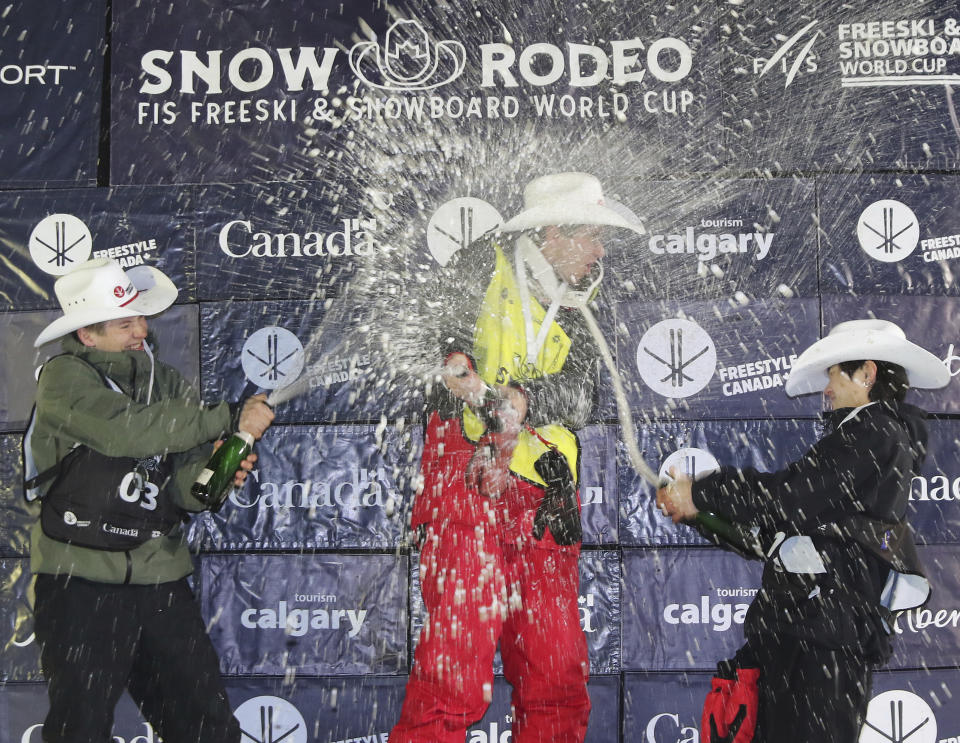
(675, 498)
(255, 416)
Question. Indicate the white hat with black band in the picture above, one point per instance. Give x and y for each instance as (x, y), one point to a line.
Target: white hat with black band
(856, 340)
(569, 199)
(101, 290)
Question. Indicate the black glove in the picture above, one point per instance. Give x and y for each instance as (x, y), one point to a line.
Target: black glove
(559, 511)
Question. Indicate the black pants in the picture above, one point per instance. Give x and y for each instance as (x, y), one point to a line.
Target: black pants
(808, 693)
(97, 639)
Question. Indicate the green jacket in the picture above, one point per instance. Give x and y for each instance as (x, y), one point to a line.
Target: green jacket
(74, 405)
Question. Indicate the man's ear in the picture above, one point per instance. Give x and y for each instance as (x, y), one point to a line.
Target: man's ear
(870, 372)
(86, 337)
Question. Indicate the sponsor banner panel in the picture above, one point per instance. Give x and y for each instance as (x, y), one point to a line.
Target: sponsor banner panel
(19, 655)
(275, 94)
(269, 345)
(281, 240)
(934, 511)
(827, 86)
(890, 234)
(317, 710)
(930, 322)
(23, 708)
(496, 725)
(15, 517)
(696, 449)
(716, 239)
(339, 487)
(599, 603)
(174, 331)
(684, 609)
(51, 76)
(925, 637)
(920, 701)
(315, 614)
(45, 234)
(598, 484)
(706, 360)
(663, 707)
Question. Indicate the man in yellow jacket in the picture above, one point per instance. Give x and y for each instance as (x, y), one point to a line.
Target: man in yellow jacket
(498, 515)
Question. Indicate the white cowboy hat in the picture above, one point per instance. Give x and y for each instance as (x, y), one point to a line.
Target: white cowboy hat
(100, 290)
(855, 340)
(569, 198)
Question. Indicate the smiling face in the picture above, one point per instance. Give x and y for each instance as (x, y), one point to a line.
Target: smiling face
(849, 390)
(125, 334)
(572, 250)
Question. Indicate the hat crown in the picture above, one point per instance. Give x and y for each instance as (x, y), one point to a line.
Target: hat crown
(566, 188)
(886, 327)
(97, 283)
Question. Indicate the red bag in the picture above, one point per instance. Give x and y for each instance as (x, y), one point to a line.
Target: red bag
(730, 709)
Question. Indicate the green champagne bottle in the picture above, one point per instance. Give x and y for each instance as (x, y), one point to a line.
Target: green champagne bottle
(215, 480)
(739, 537)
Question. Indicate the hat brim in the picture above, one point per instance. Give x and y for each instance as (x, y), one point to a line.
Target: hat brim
(809, 372)
(156, 293)
(558, 215)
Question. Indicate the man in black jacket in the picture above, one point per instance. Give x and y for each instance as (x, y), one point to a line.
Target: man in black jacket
(840, 557)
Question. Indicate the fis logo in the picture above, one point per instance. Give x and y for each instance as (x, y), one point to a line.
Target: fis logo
(888, 230)
(270, 719)
(59, 243)
(804, 61)
(899, 716)
(458, 223)
(272, 357)
(676, 358)
(408, 59)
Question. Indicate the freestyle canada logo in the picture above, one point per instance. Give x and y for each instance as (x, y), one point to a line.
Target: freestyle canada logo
(676, 358)
(889, 231)
(457, 223)
(60, 242)
(405, 64)
(272, 357)
(690, 462)
(899, 716)
(269, 719)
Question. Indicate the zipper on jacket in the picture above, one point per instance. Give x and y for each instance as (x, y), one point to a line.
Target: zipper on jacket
(129, 574)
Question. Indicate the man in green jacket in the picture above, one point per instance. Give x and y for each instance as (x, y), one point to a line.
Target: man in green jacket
(114, 429)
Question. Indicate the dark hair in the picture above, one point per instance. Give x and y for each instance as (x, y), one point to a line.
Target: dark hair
(891, 384)
(96, 327)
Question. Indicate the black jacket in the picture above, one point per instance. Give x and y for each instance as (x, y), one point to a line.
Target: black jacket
(863, 466)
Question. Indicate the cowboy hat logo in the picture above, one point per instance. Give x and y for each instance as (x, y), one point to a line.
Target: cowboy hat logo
(407, 59)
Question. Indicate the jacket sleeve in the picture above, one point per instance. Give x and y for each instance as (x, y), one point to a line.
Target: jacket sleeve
(567, 396)
(73, 401)
(829, 477)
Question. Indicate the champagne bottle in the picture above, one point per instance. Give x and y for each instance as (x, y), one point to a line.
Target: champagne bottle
(215, 480)
(737, 536)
